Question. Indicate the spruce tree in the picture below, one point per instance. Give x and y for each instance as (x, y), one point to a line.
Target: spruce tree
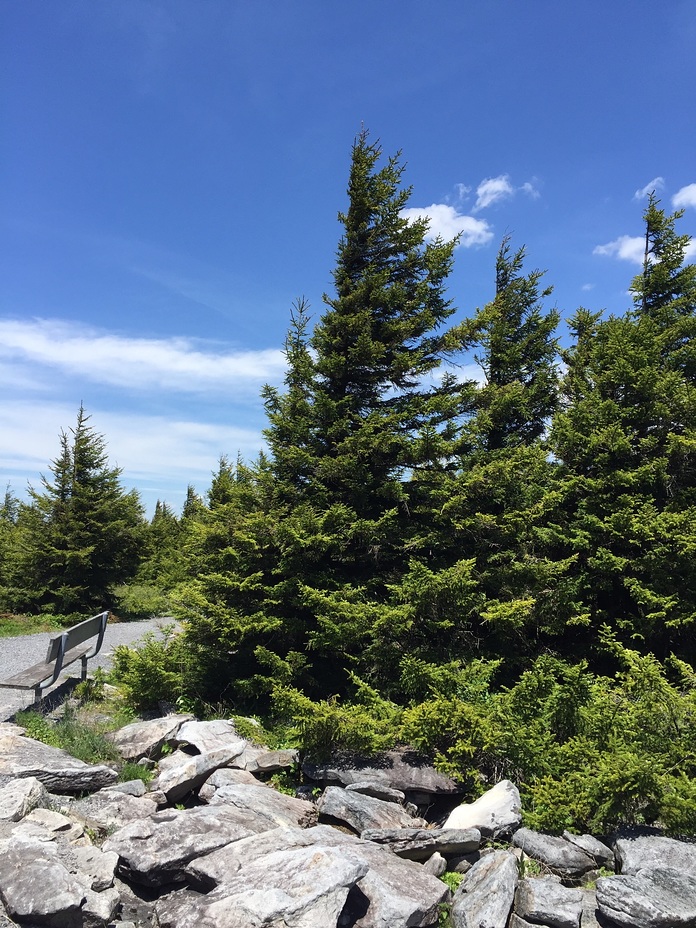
(626, 439)
(82, 532)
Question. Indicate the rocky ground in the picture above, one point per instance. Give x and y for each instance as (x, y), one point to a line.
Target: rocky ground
(209, 843)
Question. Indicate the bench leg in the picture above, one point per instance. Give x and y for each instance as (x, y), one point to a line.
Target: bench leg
(84, 669)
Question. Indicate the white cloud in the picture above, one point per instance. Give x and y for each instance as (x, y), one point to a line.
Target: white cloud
(685, 197)
(492, 190)
(530, 189)
(587, 287)
(690, 252)
(178, 364)
(657, 183)
(446, 222)
(160, 455)
(625, 247)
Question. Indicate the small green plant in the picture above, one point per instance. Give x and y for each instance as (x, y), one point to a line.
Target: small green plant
(130, 771)
(452, 880)
(92, 689)
(286, 781)
(38, 727)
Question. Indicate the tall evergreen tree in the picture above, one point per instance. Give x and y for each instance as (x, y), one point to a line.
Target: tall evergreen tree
(626, 438)
(82, 532)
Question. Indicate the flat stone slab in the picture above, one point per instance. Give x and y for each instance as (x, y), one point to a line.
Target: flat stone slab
(405, 771)
(110, 808)
(146, 739)
(559, 855)
(59, 772)
(660, 898)
(421, 843)
(650, 851)
(265, 805)
(305, 886)
(155, 850)
(545, 902)
(207, 736)
(35, 885)
(363, 812)
(394, 892)
(176, 780)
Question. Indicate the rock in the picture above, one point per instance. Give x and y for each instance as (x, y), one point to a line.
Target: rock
(225, 776)
(99, 909)
(435, 864)
(463, 863)
(394, 892)
(46, 825)
(36, 887)
(402, 770)
(57, 770)
(517, 922)
(377, 791)
(602, 855)
(485, 895)
(362, 812)
(650, 851)
(305, 886)
(265, 805)
(659, 898)
(176, 781)
(146, 739)
(208, 736)
(420, 843)
(19, 797)
(271, 761)
(96, 866)
(155, 850)
(548, 903)
(588, 919)
(131, 788)
(498, 812)
(110, 808)
(559, 855)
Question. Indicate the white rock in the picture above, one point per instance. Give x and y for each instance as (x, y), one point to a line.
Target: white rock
(497, 812)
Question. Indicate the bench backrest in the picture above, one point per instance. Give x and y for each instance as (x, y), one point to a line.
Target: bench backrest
(90, 628)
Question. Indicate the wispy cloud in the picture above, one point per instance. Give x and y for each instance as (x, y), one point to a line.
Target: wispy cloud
(447, 222)
(133, 363)
(685, 197)
(493, 190)
(625, 247)
(657, 183)
(161, 455)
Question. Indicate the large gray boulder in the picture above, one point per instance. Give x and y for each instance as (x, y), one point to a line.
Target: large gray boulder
(110, 808)
(646, 852)
(393, 892)
(660, 898)
(305, 886)
(545, 902)
(498, 812)
(207, 736)
(402, 770)
(485, 895)
(361, 812)
(271, 761)
(177, 780)
(19, 797)
(146, 739)
(603, 855)
(560, 856)
(421, 843)
(155, 850)
(264, 805)
(35, 885)
(22, 757)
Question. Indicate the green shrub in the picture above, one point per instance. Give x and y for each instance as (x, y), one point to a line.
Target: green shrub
(153, 672)
(141, 600)
(131, 771)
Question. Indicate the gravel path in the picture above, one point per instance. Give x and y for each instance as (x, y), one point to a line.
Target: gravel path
(16, 654)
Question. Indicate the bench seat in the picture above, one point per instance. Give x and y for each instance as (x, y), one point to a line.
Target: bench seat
(33, 676)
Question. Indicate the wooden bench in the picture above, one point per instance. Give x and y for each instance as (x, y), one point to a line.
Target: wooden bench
(73, 644)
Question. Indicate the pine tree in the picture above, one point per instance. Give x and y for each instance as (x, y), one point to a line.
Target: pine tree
(82, 532)
(626, 438)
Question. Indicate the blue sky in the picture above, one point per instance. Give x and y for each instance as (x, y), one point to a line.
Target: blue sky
(171, 171)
